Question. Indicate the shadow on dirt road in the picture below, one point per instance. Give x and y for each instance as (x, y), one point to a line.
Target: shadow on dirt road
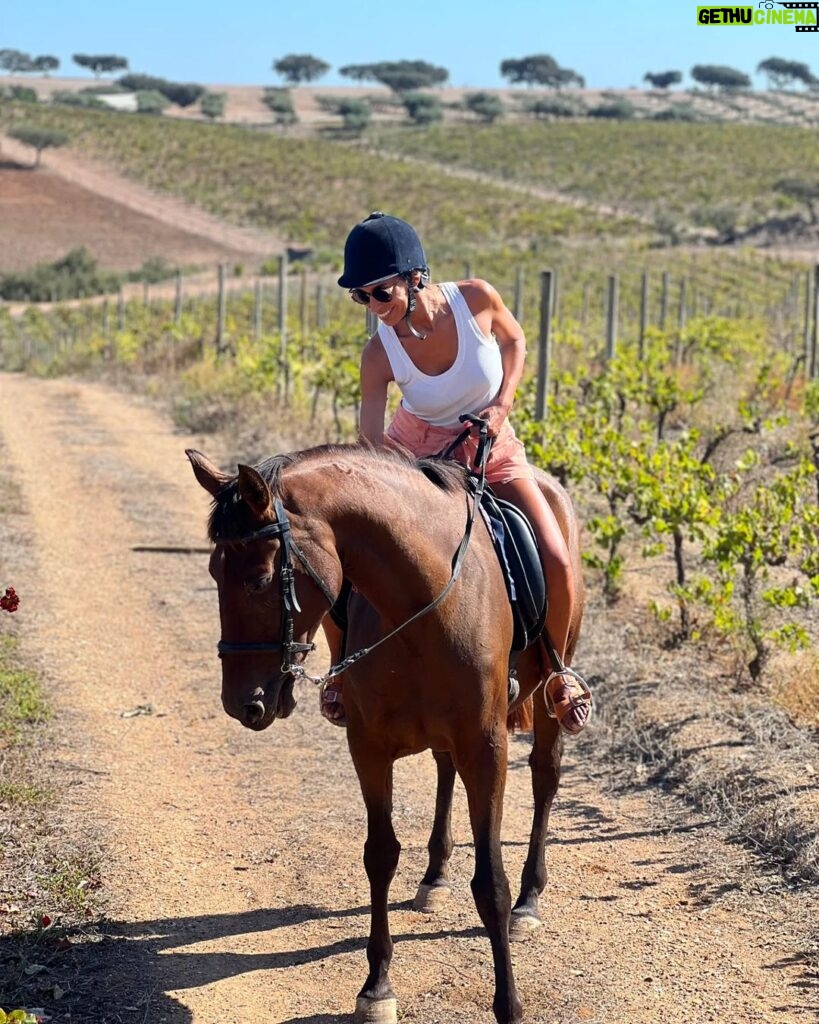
(126, 971)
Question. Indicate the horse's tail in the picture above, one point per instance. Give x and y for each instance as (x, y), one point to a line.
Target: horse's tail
(522, 718)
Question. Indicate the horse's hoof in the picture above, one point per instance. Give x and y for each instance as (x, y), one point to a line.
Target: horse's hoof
(430, 898)
(375, 1011)
(522, 925)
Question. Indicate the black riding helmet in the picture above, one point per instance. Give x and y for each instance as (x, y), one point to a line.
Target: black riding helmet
(382, 247)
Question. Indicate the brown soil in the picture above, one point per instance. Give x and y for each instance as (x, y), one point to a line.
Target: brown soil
(43, 216)
(71, 201)
(232, 860)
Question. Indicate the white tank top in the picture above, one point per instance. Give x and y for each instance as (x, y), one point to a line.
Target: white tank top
(468, 386)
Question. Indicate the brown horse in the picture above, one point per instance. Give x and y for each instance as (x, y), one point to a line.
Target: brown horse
(286, 533)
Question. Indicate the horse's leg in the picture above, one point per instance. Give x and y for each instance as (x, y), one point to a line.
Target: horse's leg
(483, 771)
(376, 1002)
(435, 888)
(545, 764)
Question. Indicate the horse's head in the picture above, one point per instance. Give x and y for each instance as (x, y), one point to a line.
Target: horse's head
(273, 589)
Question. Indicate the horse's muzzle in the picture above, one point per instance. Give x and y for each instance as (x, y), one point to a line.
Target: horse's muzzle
(265, 706)
(253, 714)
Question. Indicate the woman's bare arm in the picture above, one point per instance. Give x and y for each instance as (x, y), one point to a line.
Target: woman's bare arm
(376, 375)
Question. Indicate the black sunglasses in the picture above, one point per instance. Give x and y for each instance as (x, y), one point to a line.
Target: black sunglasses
(380, 294)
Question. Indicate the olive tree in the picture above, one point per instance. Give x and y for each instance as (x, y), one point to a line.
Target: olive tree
(423, 108)
(281, 103)
(355, 114)
(150, 101)
(39, 139)
(212, 104)
(485, 105)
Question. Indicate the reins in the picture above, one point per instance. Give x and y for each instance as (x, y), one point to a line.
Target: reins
(481, 457)
(281, 529)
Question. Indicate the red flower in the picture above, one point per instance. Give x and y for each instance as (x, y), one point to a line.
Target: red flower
(10, 602)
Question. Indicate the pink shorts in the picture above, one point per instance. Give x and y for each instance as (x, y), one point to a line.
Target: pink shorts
(507, 460)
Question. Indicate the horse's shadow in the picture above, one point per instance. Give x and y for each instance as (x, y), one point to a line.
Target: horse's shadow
(126, 973)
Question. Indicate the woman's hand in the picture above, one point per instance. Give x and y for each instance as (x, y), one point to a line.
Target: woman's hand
(495, 416)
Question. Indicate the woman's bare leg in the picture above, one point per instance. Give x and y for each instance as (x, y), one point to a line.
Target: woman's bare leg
(527, 496)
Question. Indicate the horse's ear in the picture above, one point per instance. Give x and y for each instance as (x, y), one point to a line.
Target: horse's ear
(255, 492)
(208, 475)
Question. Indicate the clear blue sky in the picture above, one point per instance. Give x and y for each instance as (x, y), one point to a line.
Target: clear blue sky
(609, 43)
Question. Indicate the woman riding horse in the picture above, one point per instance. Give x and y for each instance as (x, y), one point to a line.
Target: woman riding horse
(285, 535)
(453, 348)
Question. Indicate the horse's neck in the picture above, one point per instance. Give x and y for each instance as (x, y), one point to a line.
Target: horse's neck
(395, 531)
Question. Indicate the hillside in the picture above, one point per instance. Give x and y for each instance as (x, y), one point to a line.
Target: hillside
(582, 195)
(245, 106)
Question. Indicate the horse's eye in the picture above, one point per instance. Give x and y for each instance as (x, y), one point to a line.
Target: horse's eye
(259, 585)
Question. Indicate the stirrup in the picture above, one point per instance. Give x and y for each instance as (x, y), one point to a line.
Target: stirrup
(573, 702)
(513, 687)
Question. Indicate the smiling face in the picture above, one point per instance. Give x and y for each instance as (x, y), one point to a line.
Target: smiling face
(388, 300)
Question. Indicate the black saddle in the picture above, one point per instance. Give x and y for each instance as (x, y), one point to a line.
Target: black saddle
(519, 558)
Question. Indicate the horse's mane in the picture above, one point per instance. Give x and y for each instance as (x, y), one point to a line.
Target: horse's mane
(231, 519)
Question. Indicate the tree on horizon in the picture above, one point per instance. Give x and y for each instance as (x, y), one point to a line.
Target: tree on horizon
(781, 72)
(45, 63)
(296, 68)
(15, 61)
(400, 76)
(720, 76)
(539, 69)
(662, 79)
(100, 64)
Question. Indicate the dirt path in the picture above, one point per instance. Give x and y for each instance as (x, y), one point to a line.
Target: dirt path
(233, 867)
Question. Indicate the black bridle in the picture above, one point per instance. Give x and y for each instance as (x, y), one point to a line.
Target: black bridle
(287, 585)
(287, 589)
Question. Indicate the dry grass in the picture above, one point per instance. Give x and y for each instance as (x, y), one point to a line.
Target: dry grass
(796, 689)
(674, 719)
(48, 873)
